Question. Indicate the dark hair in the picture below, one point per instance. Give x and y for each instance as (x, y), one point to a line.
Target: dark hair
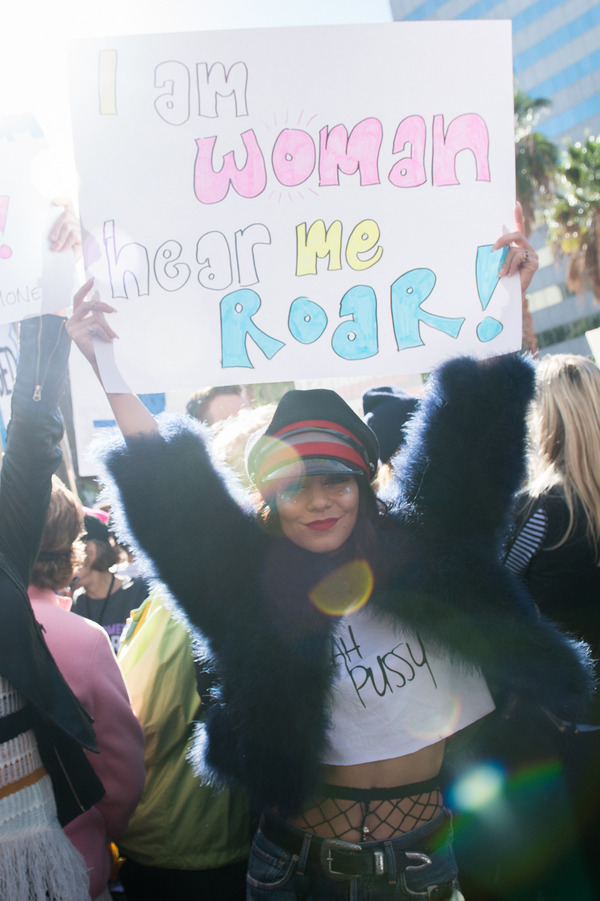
(61, 552)
(198, 404)
(108, 553)
(364, 535)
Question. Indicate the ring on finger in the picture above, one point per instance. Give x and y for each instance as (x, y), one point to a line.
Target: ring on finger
(526, 257)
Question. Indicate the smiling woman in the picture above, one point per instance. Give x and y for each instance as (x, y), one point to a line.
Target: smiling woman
(313, 467)
(350, 637)
(319, 513)
(308, 467)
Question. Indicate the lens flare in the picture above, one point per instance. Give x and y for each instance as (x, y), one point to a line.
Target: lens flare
(276, 455)
(512, 824)
(344, 591)
(478, 788)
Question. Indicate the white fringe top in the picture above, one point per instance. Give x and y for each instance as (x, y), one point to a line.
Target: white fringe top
(37, 860)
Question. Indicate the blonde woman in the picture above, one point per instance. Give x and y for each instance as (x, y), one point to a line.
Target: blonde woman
(557, 544)
(557, 553)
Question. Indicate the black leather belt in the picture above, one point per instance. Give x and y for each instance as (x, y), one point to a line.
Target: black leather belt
(344, 860)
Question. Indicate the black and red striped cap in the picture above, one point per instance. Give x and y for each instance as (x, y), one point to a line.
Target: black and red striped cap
(313, 432)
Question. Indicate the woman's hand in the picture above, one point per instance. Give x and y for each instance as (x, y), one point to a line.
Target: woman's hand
(66, 231)
(521, 257)
(88, 322)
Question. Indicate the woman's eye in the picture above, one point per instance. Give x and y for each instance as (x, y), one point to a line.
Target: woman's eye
(337, 480)
(291, 491)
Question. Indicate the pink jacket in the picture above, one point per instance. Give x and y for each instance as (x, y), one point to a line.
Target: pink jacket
(86, 659)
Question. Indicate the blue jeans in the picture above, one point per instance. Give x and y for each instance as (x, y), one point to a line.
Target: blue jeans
(277, 875)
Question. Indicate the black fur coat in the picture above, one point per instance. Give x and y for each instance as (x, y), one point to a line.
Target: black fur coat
(438, 572)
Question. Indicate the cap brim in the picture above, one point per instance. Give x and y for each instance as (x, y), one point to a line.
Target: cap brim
(312, 466)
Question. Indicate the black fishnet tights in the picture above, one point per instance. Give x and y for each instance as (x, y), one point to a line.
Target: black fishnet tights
(373, 820)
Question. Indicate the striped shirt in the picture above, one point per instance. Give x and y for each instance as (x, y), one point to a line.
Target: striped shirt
(527, 543)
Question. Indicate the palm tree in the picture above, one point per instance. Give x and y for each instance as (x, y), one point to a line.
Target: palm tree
(536, 158)
(574, 217)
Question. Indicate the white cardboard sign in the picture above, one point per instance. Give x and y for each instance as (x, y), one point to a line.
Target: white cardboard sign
(33, 279)
(278, 204)
(593, 339)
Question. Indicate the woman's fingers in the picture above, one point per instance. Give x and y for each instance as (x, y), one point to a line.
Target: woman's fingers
(83, 307)
(66, 231)
(516, 237)
(81, 295)
(63, 234)
(519, 258)
(97, 326)
(521, 255)
(88, 321)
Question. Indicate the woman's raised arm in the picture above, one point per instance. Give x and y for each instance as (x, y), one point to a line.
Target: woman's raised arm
(88, 322)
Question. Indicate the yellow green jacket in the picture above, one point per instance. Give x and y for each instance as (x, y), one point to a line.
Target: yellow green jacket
(179, 823)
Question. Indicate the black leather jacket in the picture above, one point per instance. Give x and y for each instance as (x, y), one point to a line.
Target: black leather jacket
(32, 454)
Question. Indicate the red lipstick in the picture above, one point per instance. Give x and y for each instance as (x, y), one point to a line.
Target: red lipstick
(321, 525)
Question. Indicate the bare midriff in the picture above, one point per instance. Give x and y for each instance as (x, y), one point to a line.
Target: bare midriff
(401, 815)
(422, 764)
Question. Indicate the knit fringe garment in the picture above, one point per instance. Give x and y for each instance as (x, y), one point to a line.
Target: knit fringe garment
(37, 860)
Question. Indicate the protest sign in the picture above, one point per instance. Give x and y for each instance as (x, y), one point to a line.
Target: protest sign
(33, 279)
(593, 339)
(278, 204)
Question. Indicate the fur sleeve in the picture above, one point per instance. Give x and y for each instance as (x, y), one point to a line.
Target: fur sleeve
(465, 452)
(462, 466)
(174, 506)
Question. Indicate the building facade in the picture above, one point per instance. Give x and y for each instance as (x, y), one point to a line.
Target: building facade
(556, 54)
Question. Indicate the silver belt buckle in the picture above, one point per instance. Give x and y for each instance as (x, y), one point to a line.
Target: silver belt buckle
(417, 855)
(331, 844)
(425, 861)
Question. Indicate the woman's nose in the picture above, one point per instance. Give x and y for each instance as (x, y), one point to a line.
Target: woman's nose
(317, 496)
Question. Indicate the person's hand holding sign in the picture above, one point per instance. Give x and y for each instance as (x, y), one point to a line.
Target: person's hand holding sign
(523, 259)
(87, 323)
(65, 234)
(66, 230)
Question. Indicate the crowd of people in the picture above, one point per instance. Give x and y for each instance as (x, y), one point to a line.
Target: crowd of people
(345, 622)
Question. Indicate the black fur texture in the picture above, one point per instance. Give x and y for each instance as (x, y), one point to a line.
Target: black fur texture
(439, 574)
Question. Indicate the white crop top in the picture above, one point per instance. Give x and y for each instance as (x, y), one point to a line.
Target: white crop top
(393, 695)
